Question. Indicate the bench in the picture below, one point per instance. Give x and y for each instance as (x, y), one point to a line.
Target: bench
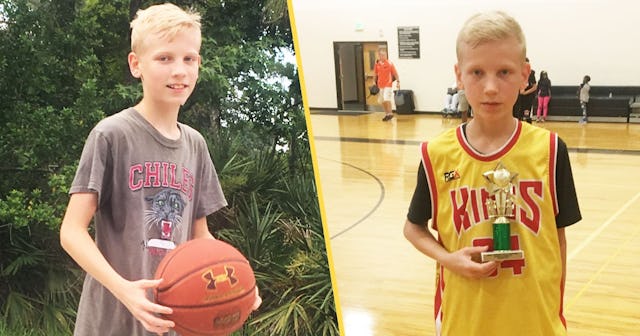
(607, 103)
(634, 115)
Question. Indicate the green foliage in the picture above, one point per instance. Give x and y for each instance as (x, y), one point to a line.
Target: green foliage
(37, 287)
(63, 68)
(274, 219)
(288, 256)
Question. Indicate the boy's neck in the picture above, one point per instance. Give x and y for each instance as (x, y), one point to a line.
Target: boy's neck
(162, 117)
(488, 136)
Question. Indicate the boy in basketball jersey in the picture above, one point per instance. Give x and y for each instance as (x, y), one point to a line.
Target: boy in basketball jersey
(514, 297)
(147, 180)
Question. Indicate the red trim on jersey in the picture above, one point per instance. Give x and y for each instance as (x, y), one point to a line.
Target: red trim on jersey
(553, 163)
(474, 154)
(428, 169)
(437, 302)
(437, 299)
(562, 319)
(463, 141)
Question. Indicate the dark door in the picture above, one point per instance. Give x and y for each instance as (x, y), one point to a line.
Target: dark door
(354, 63)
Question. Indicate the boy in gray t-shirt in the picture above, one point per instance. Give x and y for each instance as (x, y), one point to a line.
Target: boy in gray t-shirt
(147, 180)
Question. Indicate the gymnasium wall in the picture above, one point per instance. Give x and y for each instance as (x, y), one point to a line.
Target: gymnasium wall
(567, 38)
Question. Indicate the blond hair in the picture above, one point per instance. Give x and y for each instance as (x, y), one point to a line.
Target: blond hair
(166, 20)
(487, 27)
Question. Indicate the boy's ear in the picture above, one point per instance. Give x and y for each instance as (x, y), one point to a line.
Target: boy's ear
(456, 69)
(134, 65)
(526, 69)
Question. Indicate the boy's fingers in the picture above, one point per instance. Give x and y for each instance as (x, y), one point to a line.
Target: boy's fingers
(488, 267)
(146, 283)
(258, 300)
(474, 252)
(156, 308)
(478, 249)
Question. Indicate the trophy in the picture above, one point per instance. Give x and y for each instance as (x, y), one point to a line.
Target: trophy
(500, 208)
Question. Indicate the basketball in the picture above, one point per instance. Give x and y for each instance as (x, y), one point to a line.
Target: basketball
(209, 285)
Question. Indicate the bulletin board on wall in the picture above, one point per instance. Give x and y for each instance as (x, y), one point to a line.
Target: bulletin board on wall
(409, 42)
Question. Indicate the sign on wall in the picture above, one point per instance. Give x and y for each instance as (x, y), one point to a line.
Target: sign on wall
(409, 42)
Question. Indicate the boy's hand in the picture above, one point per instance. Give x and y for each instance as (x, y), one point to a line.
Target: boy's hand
(133, 294)
(462, 262)
(258, 301)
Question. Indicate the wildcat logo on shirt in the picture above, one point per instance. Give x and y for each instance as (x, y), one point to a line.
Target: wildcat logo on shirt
(451, 175)
(163, 220)
(163, 214)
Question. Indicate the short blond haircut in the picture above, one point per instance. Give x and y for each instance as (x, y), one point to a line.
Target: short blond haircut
(488, 27)
(166, 20)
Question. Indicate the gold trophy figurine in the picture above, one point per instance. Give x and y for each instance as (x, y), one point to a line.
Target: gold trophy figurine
(501, 207)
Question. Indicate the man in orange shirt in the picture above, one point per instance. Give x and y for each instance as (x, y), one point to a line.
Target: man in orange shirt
(385, 73)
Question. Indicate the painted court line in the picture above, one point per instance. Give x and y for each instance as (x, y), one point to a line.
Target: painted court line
(601, 269)
(597, 232)
(372, 210)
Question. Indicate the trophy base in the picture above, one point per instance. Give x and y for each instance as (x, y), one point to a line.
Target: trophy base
(501, 255)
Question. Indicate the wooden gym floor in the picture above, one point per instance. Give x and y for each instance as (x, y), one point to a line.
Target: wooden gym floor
(367, 172)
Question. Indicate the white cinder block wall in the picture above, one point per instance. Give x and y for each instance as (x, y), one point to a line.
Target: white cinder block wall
(567, 38)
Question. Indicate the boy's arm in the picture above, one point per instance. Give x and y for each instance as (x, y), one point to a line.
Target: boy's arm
(375, 73)
(458, 262)
(531, 89)
(200, 229)
(395, 74)
(75, 239)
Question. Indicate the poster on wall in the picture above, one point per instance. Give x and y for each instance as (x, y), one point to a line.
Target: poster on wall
(409, 42)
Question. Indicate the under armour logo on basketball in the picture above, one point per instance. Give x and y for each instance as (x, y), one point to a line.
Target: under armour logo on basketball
(213, 279)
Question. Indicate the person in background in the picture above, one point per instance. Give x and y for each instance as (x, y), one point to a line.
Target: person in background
(544, 95)
(584, 97)
(452, 99)
(526, 97)
(386, 73)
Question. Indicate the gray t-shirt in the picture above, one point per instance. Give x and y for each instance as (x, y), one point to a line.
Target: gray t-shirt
(584, 93)
(150, 190)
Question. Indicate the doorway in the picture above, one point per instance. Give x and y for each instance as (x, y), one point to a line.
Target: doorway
(354, 62)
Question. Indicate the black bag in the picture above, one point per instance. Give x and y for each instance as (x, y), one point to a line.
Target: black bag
(404, 101)
(373, 90)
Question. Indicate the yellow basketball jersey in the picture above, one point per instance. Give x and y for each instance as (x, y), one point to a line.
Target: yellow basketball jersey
(523, 297)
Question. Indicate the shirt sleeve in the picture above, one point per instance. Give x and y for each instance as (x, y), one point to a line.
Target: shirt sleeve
(420, 208)
(93, 166)
(568, 208)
